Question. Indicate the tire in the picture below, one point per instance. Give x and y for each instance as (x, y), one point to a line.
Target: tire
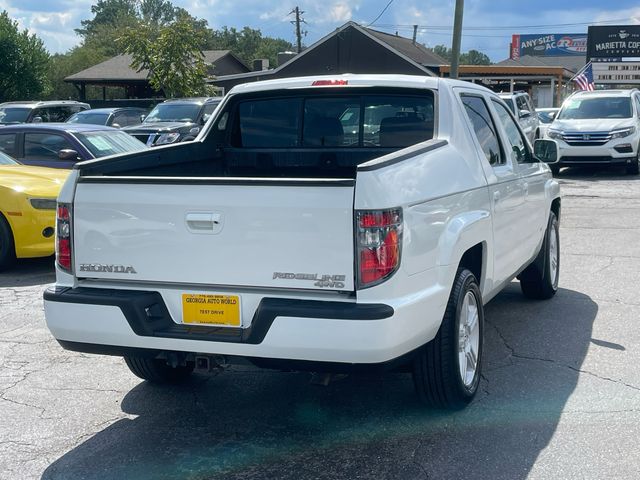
(157, 370)
(7, 245)
(634, 168)
(540, 279)
(437, 374)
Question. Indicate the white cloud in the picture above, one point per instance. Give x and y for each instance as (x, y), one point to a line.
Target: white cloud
(340, 12)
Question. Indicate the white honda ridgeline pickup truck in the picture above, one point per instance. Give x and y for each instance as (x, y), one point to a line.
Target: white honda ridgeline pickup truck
(319, 223)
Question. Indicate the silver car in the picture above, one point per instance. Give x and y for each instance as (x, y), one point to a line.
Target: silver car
(522, 107)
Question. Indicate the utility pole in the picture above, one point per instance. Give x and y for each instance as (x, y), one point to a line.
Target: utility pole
(297, 23)
(457, 37)
(415, 34)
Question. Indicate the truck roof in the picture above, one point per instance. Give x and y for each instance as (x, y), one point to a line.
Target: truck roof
(346, 80)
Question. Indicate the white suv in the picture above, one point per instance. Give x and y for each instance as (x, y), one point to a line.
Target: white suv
(521, 106)
(598, 128)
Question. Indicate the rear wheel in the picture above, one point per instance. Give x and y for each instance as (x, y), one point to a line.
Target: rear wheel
(158, 371)
(446, 371)
(540, 279)
(7, 246)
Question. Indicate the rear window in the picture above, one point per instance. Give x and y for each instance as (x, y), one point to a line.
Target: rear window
(89, 117)
(14, 114)
(340, 121)
(101, 144)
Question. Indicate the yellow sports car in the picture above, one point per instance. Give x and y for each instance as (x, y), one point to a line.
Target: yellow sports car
(27, 209)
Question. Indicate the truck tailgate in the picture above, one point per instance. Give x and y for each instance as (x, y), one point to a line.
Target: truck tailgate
(280, 235)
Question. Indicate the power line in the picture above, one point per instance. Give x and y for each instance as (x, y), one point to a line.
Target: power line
(381, 13)
(448, 34)
(511, 27)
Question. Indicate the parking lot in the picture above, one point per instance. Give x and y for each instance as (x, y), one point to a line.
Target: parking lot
(559, 398)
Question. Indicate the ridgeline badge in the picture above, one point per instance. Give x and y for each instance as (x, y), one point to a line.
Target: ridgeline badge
(102, 268)
(322, 281)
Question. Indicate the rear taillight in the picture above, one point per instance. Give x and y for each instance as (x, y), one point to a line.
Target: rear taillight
(379, 244)
(63, 236)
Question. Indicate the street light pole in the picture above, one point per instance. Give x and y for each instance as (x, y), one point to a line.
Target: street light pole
(457, 36)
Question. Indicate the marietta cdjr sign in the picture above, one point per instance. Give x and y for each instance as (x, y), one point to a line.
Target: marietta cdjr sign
(615, 54)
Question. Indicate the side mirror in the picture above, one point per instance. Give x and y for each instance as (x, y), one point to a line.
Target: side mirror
(546, 151)
(67, 154)
(525, 113)
(204, 118)
(142, 117)
(37, 120)
(552, 115)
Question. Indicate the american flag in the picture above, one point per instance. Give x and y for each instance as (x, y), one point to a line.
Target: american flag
(584, 79)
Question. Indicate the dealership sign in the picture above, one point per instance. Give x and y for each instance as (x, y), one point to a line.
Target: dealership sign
(613, 44)
(548, 45)
(615, 54)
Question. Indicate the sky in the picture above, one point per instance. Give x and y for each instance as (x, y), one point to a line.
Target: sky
(488, 24)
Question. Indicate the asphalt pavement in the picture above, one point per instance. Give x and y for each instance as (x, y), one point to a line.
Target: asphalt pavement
(559, 398)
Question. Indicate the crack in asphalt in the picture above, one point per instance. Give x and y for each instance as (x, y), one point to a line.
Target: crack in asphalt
(512, 353)
(24, 404)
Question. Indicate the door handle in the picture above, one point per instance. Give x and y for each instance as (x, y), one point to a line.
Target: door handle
(496, 197)
(202, 221)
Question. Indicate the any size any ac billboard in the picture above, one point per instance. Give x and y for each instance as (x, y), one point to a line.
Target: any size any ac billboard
(548, 45)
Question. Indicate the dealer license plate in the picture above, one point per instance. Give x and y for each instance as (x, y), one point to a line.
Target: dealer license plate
(205, 309)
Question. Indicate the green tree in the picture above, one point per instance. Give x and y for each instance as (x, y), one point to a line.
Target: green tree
(443, 51)
(248, 44)
(74, 61)
(112, 17)
(108, 13)
(472, 57)
(171, 53)
(25, 63)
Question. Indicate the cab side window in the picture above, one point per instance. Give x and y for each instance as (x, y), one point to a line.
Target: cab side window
(521, 102)
(8, 144)
(120, 119)
(44, 146)
(484, 128)
(42, 113)
(517, 144)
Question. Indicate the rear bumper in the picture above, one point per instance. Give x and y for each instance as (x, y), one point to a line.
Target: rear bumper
(119, 322)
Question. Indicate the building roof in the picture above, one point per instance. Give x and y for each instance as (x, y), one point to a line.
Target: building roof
(415, 51)
(416, 54)
(509, 70)
(572, 63)
(119, 68)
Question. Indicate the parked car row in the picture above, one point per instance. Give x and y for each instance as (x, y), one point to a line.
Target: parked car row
(59, 134)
